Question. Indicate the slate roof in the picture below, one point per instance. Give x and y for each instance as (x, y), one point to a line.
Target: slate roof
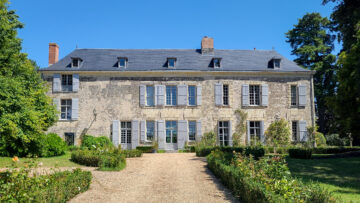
(187, 60)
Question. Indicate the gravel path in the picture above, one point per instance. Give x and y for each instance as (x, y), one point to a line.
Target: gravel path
(168, 177)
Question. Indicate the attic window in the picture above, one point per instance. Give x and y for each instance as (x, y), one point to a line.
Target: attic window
(216, 62)
(122, 63)
(277, 63)
(171, 62)
(274, 63)
(75, 63)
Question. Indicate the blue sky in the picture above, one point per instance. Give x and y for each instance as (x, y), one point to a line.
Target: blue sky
(135, 24)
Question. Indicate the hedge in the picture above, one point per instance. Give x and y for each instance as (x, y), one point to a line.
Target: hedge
(132, 153)
(145, 149)
(256, 151)
(19, 186)
(300, 153)
(317, 150)
(91, 142)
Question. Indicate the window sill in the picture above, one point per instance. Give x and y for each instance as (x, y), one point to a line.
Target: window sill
(65, 91)
(65, 120)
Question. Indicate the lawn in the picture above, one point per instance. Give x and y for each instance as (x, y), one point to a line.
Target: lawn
(340, 176)
(58, 161)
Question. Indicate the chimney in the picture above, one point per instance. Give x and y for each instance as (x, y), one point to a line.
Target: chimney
(53, 53)
(207, 45)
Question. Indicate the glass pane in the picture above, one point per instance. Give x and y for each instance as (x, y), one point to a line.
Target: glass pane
(150, 95)
(171, 63)
(174, 137)
(168, 136)
(122, 62)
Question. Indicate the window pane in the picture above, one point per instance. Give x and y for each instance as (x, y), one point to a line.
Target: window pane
(75, 62)
(192, 130)
(192, 95)
(122, 62)
(150, 126)
(150, 95)
(225, 94)
(293, 95)
(171, 63)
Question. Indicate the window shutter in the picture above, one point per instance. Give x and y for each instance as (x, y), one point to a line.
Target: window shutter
(182, 133)
(159, 95)
(303, 131)
(161, 133)
(115, 133)
(302, 95)
(182, 95)
(248, 132)
(262, 135)
(264, 95)
(218, 94)
(245, 95)
(56, 82)
(142, 95)
(75, 109)
(75, 81)
(134, 134)
(198, 95)
(56, 103)
(230, 134)
(198, 131)
(218, 133)
(142, 131)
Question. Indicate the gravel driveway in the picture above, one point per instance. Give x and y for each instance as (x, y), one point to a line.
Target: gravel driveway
(168, 177)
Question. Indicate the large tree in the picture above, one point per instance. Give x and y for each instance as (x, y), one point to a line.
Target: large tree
(25, 110)
(312, 43)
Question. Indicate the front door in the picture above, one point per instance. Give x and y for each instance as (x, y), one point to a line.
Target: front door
(171, 135)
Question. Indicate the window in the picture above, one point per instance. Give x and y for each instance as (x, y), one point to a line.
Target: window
(122, 62)
(171, 132)
(254, 132)
(274, 63)
(150, 96)
(66, 83)
(69, 138)
(294, 129)
(150, 129)
(192, 95)
(125, 132)
(223, 133)
(75, 62)
(192, 130)
(66, 109)
(293, 95)
(254, 91)
(171, 92)
(216, 62)
(171, 62)
(225, 94)
(277, 63)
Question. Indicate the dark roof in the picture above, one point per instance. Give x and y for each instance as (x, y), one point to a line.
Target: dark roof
(187, 60)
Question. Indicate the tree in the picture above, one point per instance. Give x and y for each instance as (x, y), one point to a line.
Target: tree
(278, 133)
(312, 43)
(25, 110)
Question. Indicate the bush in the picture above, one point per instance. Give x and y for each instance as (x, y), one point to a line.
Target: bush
(320, 139)
(189, 148)
(132, 153)
(91, 142)
(52, 145)
(86, 157)
(278, 150)
(334, 150)
(278, 133)
(145, 149)
(112, 162)
(336, 140)
(256, 151)
(300, 153)
(19, 186)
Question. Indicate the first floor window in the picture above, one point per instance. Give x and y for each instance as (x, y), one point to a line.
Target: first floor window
(223, 133)
(171, 132)
(294, 128)
(293, 95)
(192, 130)
(171, 92)
(254, 91)
(125, 132)
(254, 132)
(150, 96)
(66, 109)
(66, 83)
(225, 94)
(70, 138)
(150, 129)
(192, 95)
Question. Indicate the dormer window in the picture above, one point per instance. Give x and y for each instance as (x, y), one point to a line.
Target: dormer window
(122, 63)
(274, 63)
(216, 62)
(75, 63)
(171, 62)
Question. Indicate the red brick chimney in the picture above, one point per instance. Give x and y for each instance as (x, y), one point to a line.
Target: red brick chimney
(53, 53)
(207, 45)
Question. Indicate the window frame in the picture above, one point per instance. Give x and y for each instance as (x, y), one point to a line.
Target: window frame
(256, 132)
(125, 62)
(147, 97)
(172, 130)
(192, 125)
(168, 62)
(67, 87)
(221, 133)
(255, 95)
(68, 109)
(295, 130)
(147, 132)
(78, 62)
(277, 61)
(127, 132)
(292, 96)
(214, 63)
(226, 96)
(190, 97)
(172, 96)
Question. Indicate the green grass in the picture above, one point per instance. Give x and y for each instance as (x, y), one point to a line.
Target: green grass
(160, 151)
(58, 161)
(340, 176)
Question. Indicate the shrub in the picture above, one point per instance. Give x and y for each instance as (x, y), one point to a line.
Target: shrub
(112, 162)
(256, 151)
(86, 157)
(336, 140)
(300, 153)
(320, 139)
(278, 133)
(132, 153)
(52, 145)
(91, 142)
(145, 149)
(334, 150)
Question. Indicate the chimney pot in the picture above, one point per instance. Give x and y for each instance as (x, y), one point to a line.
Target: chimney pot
(207, 45)
(53, 53)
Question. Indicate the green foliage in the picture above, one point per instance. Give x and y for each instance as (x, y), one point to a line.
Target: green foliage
(112, 162)
(240, 127)
(334, 150)
(86, 157)
(320, 139)
(336, 140)
(266, 180)
(278, 133)
(132, 153)
(208, 139)
(52, 145)
(300, 153)
(91, 142)
(25, 109)
(145, 149)
(255, 151)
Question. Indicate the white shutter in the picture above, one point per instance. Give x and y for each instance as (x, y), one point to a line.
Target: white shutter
(262, 135)
(56, 82)
(245, 95)
(182, 133)
(198, 131)
(56, 103)
(218, 94)
(161, 133)
(248, 132)
(303, 131)
(264, 95)
(198, 95)
(115, 133)
(230, 134)
(134, 134)
(142, 95)
(159, 95)
(75, 81)
(75, 109)
(142, 131)
(302, 95)
(182, 95)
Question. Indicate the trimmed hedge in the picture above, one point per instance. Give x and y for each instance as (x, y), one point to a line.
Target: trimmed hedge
(105, 161)
(300, 153)
(334, 150)
(91, 142)
(256, 151)
(132, 153)
(145, 149)
(57, 187)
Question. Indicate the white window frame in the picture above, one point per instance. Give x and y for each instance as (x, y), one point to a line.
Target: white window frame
(296, 95)
(226, 96)
(172, 96)
(125, 62)
(68, 109)
(257, 132)
(253, 94)
(78, 62)
(125, 132)
(222, 134)
(194, 125)
(194, 96)
(153, 131)
(173, 132)
(168, 62)
(67, 87)
(146, 95)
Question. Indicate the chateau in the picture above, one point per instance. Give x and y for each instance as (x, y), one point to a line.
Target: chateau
(135, 96)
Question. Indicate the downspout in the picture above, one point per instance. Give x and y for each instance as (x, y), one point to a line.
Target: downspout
(312, 99)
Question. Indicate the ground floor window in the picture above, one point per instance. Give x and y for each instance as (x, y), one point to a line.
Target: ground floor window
(66, 109)
(254, 132)
(69, 138)
(223, 130)
(171, 132)
(192, 130)
(294, 128)
(125, 132)
(150, 129)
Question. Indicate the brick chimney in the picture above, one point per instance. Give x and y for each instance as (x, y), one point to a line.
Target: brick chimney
(207, 45)
(53, 53)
